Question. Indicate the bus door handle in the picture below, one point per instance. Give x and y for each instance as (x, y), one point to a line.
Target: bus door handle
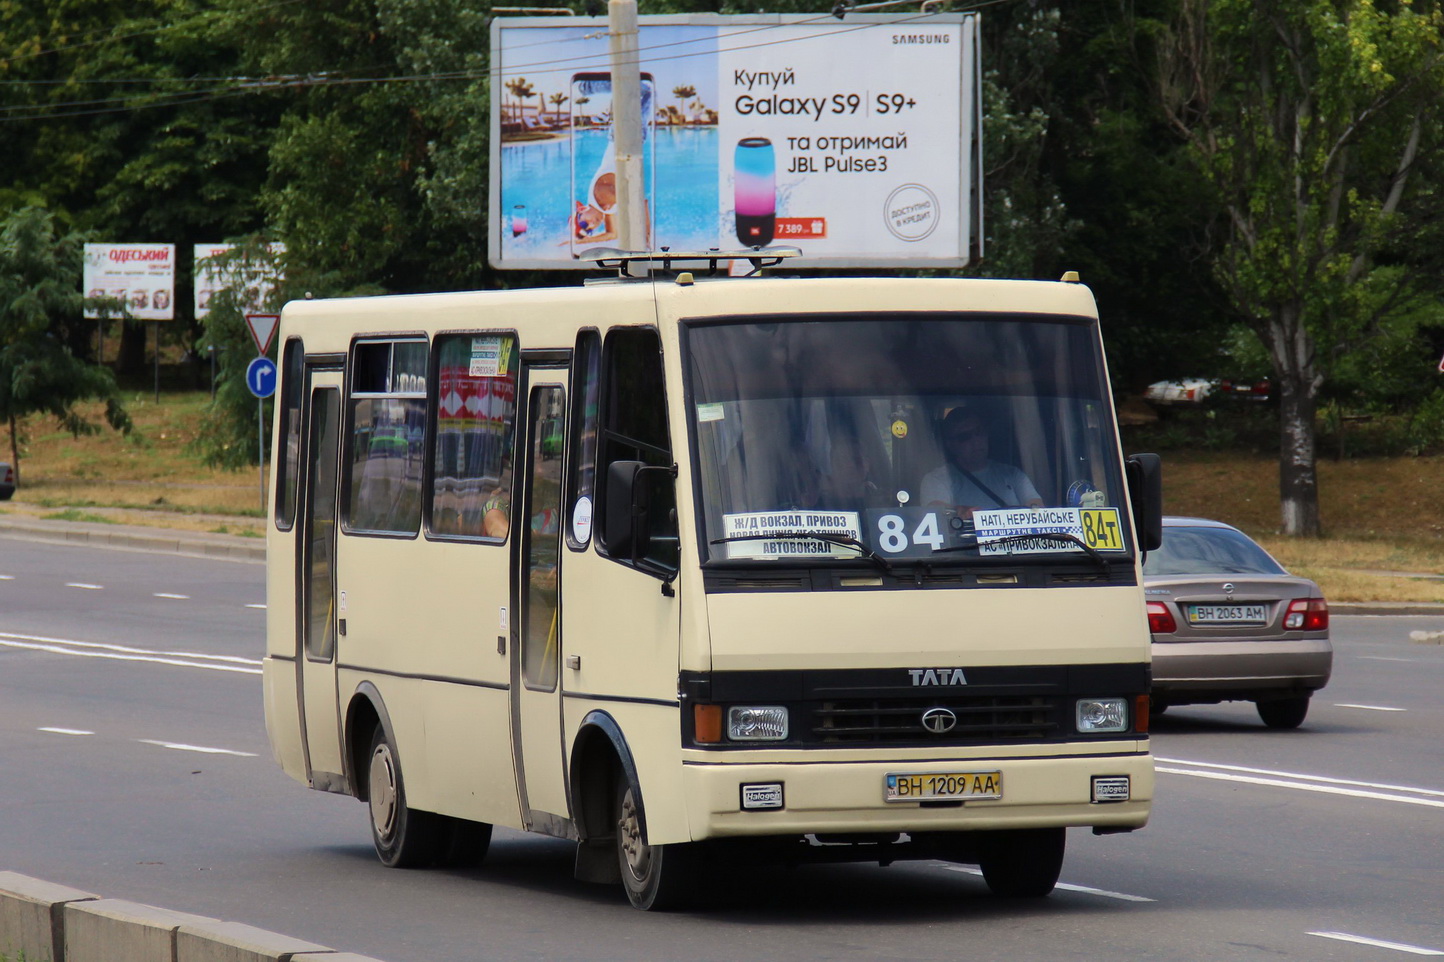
(574, 662)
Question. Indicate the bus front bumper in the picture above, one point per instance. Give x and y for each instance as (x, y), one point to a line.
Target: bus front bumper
(739, 799)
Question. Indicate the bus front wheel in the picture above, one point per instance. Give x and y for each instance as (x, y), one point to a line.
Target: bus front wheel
(656, 877)
(403, 836)
(1022, 863)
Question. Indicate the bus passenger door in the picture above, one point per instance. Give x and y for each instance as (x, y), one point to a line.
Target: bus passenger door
(536, 633)
(316, 634)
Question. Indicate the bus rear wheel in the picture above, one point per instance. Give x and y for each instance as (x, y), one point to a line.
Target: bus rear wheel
(1022, 863)
(656, 877)
(403, 836)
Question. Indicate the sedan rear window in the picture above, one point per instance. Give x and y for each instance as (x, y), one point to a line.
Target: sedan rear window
(1192, 551)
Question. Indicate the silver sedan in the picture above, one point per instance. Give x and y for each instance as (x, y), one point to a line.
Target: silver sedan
(1230, 624)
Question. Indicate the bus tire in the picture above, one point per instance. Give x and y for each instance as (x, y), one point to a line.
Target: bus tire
(404, 837)
(656, 877)
(1022, 863)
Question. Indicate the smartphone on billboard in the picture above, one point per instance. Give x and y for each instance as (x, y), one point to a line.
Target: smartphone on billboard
(755, 186)
(593, 196)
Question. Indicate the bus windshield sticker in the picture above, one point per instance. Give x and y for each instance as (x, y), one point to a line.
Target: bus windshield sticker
(710, 412)
(765, 534)
(1098, 528)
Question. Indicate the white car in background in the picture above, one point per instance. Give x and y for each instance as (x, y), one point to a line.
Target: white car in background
(1188, 390)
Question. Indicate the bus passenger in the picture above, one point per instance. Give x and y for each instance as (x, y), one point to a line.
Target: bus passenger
(969, 480)
(849, 485)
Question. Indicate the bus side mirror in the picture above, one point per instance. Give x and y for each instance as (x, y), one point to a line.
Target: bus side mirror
(1145, 491)
(626, 533)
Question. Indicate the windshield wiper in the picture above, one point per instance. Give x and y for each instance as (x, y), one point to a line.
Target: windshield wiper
(831, 537)
(1046, 535)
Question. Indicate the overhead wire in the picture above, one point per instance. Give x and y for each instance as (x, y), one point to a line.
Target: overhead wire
(6, 61)
(230, 87)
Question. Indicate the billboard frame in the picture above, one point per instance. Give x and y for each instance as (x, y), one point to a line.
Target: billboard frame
(969, 244)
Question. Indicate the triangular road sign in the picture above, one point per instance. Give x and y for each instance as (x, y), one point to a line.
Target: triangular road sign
(263, 328)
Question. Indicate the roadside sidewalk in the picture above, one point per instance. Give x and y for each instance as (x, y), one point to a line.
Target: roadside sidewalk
(253, 549)
(135, 537)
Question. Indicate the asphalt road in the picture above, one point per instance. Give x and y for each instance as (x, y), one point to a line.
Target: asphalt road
(136, 766)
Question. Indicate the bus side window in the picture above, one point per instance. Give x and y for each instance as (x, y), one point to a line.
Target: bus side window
(634, 428)
(385, 446)
(474, 418)
(581, 486)
(292, 382)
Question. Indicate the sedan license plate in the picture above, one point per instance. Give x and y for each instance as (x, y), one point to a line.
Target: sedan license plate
(945, 785)
(1227, 615)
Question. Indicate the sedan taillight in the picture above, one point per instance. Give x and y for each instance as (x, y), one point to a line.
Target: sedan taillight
(1160, 619)
(1307, 614)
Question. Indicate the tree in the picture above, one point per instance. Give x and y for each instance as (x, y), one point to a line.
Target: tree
(683, 93)
(39, 294)
(1315, 125)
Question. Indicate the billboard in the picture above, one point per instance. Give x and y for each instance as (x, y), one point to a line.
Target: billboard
(212, 277)
(141, 275)
(854, 140)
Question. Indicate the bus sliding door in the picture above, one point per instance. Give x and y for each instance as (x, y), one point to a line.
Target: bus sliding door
(316, 637)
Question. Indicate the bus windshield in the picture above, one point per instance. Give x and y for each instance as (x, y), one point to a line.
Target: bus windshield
(937, 437)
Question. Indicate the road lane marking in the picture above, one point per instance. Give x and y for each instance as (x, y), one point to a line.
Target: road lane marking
(1302, 786)
(1407, 661)
(65, 731)
(1369, 707)
(7, 577)
(195, 748)
(1378, 943)
(1085, 889)
(1314, 778)
(262, 607)
(81, 584)
(91, 649)
(166, 594)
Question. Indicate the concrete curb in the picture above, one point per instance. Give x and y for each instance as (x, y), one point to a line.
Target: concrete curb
(1386, 608)
(236, 548)
(44, 922)
(193, 543)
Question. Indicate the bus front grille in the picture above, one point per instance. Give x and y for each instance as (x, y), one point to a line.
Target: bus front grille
(899, 721)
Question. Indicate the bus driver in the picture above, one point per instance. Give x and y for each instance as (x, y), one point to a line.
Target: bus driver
(968, 480)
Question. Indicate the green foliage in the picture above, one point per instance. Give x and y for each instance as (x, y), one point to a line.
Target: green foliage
(1145, 144)
(1317, 128)
(39, 296)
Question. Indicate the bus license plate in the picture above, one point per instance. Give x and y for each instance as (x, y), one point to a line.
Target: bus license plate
(945, 785)
(1227, 615)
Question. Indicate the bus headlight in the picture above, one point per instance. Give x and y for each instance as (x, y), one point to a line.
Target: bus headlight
(1102, 715)
(748, 723)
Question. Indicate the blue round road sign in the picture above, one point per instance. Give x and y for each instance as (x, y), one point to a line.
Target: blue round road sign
(261, 377)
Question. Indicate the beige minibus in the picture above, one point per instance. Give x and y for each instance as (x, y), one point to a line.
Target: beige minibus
(701, 571)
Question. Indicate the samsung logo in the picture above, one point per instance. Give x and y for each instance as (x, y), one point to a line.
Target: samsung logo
(898, 38)
(937, 676)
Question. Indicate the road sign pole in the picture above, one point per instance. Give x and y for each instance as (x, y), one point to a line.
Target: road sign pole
(261, 379)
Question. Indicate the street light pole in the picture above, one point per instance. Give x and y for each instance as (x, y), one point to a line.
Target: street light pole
(627, 120)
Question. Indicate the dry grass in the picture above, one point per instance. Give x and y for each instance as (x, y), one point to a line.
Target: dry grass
(150, 477)
(1379, 514)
